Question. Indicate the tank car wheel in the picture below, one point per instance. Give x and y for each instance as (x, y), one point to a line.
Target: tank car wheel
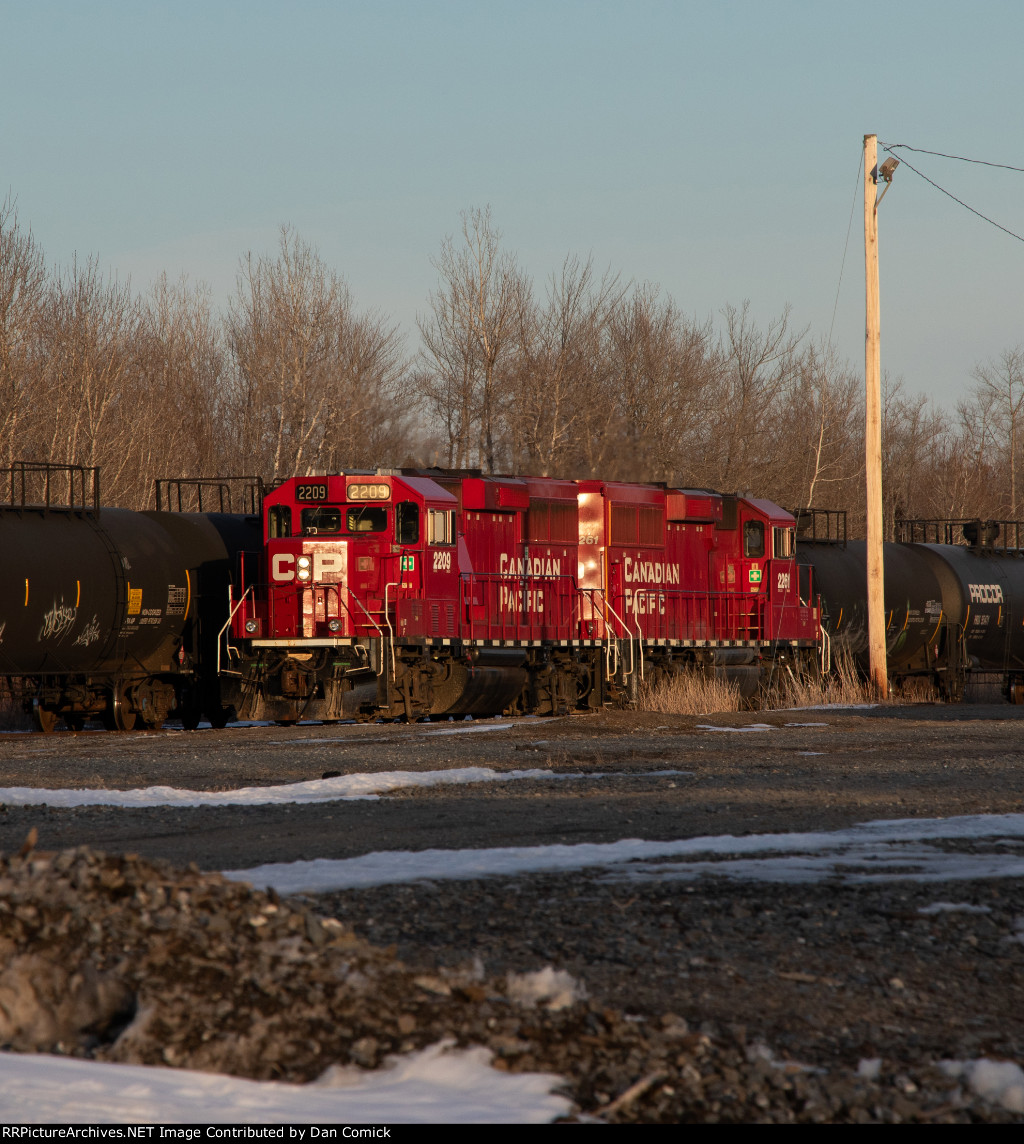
(117, 717)
(44, 719)
(221, 717)
(191, 718)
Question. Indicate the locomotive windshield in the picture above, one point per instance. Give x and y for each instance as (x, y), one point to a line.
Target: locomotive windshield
(366, 518)
(320, 519)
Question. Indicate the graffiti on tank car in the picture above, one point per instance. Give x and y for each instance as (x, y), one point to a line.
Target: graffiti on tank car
(57, 621)
(89, 634)
(649, 571)
(986, 593)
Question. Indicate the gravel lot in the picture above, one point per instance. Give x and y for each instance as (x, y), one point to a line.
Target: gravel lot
(827, 973)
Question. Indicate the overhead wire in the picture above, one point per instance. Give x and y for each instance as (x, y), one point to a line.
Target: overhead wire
(945, 155)
(890, 147)
(849, 227)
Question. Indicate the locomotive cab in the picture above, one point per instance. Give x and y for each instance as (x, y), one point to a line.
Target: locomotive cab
(343, 554)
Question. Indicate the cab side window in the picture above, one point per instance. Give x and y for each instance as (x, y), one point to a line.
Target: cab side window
(407, 523)
(440, 526)
(279, 521)
(753, 538)
(782, 541)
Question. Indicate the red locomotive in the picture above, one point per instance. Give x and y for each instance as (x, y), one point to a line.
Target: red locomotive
(410, 593)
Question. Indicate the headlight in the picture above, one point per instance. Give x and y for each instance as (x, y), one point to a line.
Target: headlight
(334, 625)
(303, 562)
(252, 626)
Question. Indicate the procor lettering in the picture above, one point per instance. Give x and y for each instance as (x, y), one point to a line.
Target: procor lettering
(986, 593)
(649, 572)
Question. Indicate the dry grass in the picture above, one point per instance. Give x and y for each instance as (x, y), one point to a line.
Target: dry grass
(842, 686)
(12, 713)
(690, 693)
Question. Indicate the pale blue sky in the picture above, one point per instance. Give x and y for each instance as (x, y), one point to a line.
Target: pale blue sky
(710, 148)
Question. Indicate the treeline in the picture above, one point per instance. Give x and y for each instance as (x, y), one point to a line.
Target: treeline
(586, 375)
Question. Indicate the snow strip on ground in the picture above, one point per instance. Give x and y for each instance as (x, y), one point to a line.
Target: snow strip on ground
(341, 788)
(439, 1085)
(882, 850)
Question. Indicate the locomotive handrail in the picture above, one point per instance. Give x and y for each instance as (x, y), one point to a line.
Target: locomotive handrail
(629, 633)
(373, 622)
(391, 630)
(227, 624)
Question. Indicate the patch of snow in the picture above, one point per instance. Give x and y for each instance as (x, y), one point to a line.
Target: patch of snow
(869, 1068)
(1001, 1082)
(807, 724)
(751, 727)
(878, 851)
(440, 1085)
(550, 987)
(474, 727)
(954, 907)
(342, 788)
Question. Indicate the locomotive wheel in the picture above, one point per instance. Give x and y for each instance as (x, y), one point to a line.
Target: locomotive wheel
(44, 719)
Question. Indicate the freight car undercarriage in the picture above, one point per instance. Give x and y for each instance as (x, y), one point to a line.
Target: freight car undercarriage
(373, 679)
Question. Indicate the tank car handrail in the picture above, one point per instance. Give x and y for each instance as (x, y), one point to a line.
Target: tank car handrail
(252, 492)
(982, 535)
(78, 495)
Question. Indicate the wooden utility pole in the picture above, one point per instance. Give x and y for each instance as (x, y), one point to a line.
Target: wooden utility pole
(873, 426)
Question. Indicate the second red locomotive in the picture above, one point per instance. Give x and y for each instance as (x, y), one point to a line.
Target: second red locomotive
(412, 593)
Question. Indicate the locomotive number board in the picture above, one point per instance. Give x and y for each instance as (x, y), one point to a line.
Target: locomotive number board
(368, 492)
(311, 492)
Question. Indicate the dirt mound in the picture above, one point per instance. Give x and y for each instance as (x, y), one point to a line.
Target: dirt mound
(121, 959)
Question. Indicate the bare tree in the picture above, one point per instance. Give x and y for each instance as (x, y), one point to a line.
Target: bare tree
(481, 296)
(759, 363)
(23, 284)
(312, 380)
(180, 371)
(1002, 381)
(556, 380)
(89, 409)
